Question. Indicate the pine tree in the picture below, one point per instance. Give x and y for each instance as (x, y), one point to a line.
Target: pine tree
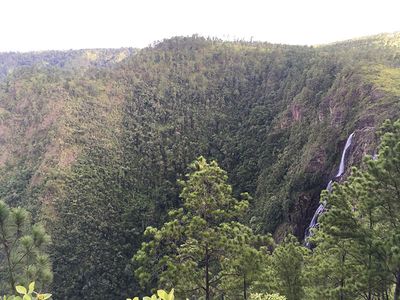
(288, 262)
(245, 262)
(382, 181)
(95, 230)
(23, 256)
(357, 240)
(195, 251)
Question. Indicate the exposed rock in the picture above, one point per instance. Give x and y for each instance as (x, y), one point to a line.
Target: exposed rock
(364, 143)
(303, 210)
(296, 112)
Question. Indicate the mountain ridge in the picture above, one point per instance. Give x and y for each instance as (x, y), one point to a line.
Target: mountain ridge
(111, 140)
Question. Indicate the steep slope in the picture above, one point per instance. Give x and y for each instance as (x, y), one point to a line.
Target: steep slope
(98, 147)
(40, 95)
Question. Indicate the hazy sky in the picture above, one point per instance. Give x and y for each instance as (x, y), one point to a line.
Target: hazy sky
(70, 24)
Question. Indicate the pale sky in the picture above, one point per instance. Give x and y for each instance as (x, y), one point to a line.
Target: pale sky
(27, 25)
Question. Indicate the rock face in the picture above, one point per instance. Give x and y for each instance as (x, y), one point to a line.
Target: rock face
(358, 108)
(296, 112)
(365, 143)
(338, 177)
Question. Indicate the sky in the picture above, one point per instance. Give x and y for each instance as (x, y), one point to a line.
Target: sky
(31, 25)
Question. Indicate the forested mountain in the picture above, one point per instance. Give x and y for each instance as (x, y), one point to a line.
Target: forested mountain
(94, 141)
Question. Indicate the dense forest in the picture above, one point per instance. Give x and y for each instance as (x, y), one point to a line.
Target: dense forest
(120, 167)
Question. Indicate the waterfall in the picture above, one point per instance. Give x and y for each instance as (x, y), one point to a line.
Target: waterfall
(342, 164)
(321, 207)
(329, 186)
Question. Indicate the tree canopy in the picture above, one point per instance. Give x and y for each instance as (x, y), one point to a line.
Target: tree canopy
(203, 245)
(23, 250)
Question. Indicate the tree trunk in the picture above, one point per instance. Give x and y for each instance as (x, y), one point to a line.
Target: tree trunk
(369, 296)
(244, 287)
(207, 275)
(8, 256)
(397, 289)
(341, 294)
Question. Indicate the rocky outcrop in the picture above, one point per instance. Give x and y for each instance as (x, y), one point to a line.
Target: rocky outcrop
(365, 143)
(296, 112)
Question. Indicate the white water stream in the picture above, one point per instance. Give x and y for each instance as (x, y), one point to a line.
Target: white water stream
(321, 207)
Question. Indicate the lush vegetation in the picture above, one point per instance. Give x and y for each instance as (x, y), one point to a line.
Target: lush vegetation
(27, 293)
(161, 295)
(356, 246)
(357, 254)
(23, 255)
(203, 249)
(96, 145)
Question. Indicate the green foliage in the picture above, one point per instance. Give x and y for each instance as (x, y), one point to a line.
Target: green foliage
(257, 296)
(94, 234)
(356, 255)
(247, 262)
(161, 295)
(288, 262)
(23, 249)
(30, 294)
(93, 141)
(200, 248)
(27, 293)
(385, 78)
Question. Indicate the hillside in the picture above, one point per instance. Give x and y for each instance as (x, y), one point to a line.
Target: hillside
(94, 141)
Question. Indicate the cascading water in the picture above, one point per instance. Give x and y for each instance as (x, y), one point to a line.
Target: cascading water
(342, 161)
(321, 207)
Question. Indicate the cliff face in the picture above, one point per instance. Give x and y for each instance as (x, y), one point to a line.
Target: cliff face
(276, 117)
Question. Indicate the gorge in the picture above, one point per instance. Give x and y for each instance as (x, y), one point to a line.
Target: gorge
(95, 142)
